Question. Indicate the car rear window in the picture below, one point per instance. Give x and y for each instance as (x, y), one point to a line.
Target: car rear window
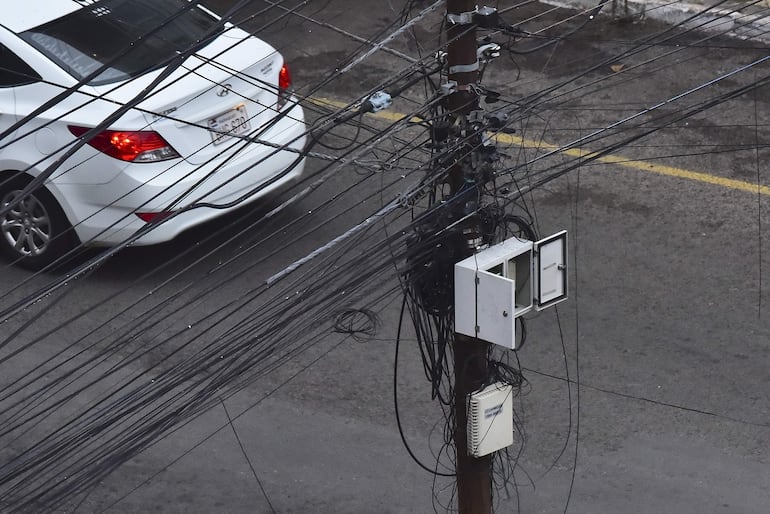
(152, 30)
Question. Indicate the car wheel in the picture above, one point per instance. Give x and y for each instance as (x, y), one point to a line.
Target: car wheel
(33, 233)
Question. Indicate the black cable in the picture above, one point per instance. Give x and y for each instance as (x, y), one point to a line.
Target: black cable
(440, 328)
(357, 323)
(395, 402)
(516, 32)
(245, 455)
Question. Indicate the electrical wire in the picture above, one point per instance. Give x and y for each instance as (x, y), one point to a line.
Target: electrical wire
(243, 337)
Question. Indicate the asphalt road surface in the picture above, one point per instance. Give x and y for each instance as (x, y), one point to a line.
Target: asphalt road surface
(665, 329)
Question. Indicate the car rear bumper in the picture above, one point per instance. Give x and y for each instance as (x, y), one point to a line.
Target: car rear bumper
(105, 214)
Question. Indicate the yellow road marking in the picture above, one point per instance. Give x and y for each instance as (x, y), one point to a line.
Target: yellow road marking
(617, 160)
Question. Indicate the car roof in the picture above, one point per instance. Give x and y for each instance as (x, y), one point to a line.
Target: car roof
(18, 18)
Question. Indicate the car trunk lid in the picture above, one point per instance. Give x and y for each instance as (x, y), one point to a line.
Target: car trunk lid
(230, 86)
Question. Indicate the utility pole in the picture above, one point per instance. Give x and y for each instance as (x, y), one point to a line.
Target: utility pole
(474, 480)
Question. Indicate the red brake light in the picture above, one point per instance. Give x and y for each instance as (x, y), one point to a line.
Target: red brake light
(128, 145)
(284, 83)
(284, 78)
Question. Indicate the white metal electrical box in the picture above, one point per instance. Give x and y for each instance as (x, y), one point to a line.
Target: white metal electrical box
(490, 419)
(502, 282)
(492, 288)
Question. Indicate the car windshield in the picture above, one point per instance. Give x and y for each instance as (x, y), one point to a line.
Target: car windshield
(131, 37)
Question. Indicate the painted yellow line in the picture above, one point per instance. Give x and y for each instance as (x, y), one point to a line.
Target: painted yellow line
(660, 169)
(617, 160)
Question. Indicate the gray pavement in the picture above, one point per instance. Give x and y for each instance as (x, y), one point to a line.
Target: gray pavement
(666, 324)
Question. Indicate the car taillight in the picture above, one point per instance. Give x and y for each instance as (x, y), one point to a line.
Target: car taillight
(284, 83)
(130, 145)
(284, 78)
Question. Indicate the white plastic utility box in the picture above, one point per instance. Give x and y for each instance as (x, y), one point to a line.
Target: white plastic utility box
(502, 282)
(490, 419)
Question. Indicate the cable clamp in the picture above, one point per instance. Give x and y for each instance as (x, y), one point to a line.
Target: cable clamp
(407, 201)
(484, 17)
(497, 119)
(448, 87)
(477, 116)
(464, 68)
(488, 51)
(464, 18)
(380, 100)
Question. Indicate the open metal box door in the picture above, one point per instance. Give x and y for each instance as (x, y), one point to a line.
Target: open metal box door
(550, 266)
(484, 307)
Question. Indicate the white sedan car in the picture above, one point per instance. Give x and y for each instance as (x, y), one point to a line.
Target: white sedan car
(134, 115)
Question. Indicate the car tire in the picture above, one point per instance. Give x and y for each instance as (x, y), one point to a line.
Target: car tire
(35, 232)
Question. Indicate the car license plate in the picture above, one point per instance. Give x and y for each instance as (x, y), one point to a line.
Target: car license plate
(231, 123)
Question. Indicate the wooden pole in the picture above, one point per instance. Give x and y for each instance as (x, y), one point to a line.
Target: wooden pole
(474, 480)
